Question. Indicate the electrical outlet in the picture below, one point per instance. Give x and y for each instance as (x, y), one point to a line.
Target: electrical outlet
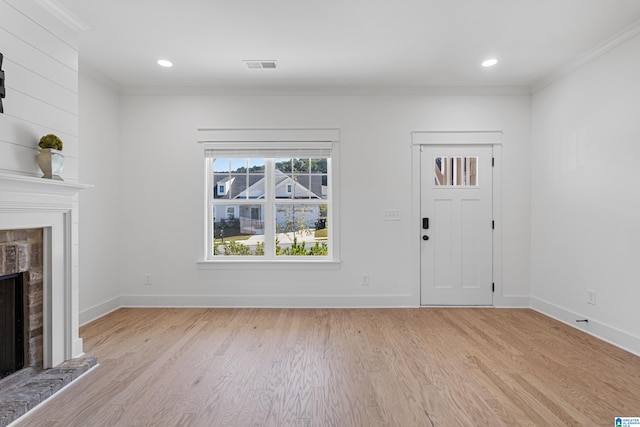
(391, 215)
(591, 297)
(365, 280)
(147, 279)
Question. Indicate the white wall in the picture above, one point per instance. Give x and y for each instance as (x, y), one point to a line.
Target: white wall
(585, 197)
(100, 227)
(41, 72)
(162, 195)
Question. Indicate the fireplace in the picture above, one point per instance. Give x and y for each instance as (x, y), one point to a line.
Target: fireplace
(39, 240)
(34, 209)
(12, 333)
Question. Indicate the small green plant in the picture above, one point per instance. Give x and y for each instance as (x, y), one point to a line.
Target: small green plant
(297, 249)
(259, 248)
(236, 248)
(319, 249)
(50, 141)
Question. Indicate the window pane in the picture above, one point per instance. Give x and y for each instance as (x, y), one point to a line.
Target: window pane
(440, 169)
(319, 165)
(456, 171)
(238, 178)
(471, 171)
(238, 230)
(284, 166)
(301, 230)
(300, 165)
(301, 178)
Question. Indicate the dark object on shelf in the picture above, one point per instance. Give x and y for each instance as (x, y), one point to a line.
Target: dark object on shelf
(2, 91)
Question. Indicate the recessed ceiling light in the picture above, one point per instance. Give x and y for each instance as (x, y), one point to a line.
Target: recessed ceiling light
(489, 62)
(165, 63)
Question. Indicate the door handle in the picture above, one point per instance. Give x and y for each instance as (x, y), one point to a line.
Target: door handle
(425, 223)
(425, 237)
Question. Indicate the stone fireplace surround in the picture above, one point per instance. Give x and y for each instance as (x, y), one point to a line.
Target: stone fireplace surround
(21, 252)
(51, 207)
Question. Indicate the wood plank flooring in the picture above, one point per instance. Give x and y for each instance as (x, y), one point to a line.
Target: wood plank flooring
(344, 367)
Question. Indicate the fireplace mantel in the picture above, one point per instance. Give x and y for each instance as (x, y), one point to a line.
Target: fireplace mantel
(29, 184)
(30, 202)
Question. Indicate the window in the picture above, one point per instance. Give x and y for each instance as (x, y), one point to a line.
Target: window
(456, 171)
(277, 203)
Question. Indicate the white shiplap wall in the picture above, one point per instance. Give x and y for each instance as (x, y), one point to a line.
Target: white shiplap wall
(41, 80)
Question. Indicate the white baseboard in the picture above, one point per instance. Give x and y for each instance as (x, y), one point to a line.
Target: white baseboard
(284, 301)
(599, 330)
(92, 313)
(512, 301)
(76, 347)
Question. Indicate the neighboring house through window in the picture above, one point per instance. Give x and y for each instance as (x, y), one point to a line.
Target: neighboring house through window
(272, 197)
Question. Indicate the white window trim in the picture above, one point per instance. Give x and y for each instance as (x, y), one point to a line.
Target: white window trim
(236, 143)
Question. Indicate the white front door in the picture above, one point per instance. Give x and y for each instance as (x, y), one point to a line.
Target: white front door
(456, 225)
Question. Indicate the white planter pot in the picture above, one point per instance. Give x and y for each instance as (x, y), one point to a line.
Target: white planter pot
(51, 163)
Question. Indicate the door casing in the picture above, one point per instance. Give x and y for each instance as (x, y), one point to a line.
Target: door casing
(421, 138)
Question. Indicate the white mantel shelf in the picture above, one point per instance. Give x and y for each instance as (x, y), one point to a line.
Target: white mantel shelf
(32, 185)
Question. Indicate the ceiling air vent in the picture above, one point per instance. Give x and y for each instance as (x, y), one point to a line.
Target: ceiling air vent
(265, 65)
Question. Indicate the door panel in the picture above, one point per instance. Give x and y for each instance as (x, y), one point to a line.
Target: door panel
(470, 240)
(456, 196)
(443, 251)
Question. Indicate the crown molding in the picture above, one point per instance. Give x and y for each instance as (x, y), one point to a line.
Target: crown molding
(55, 8)
(324, 90)
(622, 36)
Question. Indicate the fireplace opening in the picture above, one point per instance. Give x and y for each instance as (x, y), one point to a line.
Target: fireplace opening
(12, 324)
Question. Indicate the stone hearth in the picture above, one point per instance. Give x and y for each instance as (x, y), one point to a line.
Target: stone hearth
(27, 389)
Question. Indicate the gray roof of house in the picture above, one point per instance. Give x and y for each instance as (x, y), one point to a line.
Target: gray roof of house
(243, 181)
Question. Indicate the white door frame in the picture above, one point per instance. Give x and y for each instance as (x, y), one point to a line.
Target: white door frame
(420, 138)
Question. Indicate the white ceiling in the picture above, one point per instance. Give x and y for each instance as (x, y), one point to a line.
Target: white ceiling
(342, 43)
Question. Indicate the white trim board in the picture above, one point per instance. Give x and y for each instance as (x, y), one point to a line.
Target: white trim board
(488, 137)
(97, 311)
(270, 301)
(264, 136)
(597, 329)
(327, 90)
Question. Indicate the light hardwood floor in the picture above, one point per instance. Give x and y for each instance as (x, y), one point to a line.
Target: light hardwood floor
(344, 367)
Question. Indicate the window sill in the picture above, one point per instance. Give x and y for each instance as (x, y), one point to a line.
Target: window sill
(249, 264)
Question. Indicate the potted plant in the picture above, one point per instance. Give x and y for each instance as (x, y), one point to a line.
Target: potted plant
(50, 158)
